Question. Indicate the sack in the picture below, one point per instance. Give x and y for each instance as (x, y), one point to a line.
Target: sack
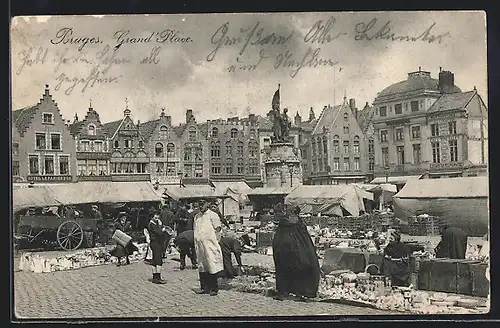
(121, 238)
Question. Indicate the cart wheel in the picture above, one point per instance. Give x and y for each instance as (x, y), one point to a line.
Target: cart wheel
(70, 235)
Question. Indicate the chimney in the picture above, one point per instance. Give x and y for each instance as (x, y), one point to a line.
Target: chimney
(446, 82)
(252, 118)
(352, 105)
(189, 115)
(312, 116)
(162, 112)
(298, 119)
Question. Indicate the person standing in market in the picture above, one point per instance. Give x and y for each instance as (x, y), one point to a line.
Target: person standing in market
(182, 220)
(207, 233)
(453, 244)
(231, 244)
(158, 233)
(295, 260)
(185, 244)
(120, 251)
(216, 210)
(167, 218)
(396, 261)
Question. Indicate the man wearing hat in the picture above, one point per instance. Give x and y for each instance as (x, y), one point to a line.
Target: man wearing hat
(158, 234)
(207, 233)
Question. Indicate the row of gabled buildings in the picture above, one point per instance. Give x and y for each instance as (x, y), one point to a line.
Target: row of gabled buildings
(419, 126)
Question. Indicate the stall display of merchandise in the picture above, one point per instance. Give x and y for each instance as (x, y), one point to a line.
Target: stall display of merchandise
(79, 259)
(424, 225)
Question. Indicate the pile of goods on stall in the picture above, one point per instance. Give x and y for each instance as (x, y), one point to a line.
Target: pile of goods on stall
(37, 263)
(424, 225)
(256, 280)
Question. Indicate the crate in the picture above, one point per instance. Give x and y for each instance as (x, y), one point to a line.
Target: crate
(424, 226)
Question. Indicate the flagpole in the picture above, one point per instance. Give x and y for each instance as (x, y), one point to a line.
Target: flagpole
(279, 89)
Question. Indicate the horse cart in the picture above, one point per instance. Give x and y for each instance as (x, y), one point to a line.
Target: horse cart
(69, 234)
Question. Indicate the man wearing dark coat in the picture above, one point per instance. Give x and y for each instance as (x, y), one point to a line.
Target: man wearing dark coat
(185, 244)
(453, 244)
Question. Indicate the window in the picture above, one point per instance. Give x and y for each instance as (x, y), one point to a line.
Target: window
(141, 168)
(400, 153)
(336, 164)
(229, 167)
(34, 168)
(453, 151)
(215, 150)
(81, 167)
(117, 144)
(383, 111)
(346, 164)
(414, 106)
(398, 109)
(102, 167)
(346, 130)
(240, 167)
(336, 145)
(417, 154)
(192, 134)
(159, 149)
(187, 154)
(48, 118)
(15, 148)
(385, 156)
(215, 168)
(267, 142)
(40, 140)
(406, 107)
(346, 117)
(48, 165)
(234, 133)
(188, 170)
(63, 165)
(383, 135)
(229, 149)
(98, 146)
(15, 168)
(436, 153)
(435, 130)
(215, 132)
(325, 164)
(128, 144)
(91, 130)
(415, 132)
(356, 164)
(85, 145)
(239, 149)
(253, 167)
(170, 150)
(356, 145)
(371, 165)
(198, 171)
(198, 154)
(163, 132)
(92, 167)
(346, 147)
(371, 146)
(320, 165)
(253, 149)
(452, 127)
(171, 169)
(252, 133)
(399, 134)
(141, 144)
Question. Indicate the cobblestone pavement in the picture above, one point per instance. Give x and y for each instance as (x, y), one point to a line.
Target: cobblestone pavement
(110, 291)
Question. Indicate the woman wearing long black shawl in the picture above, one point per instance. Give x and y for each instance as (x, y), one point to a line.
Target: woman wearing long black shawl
(295, 259)
(453, 244)
(396, 261)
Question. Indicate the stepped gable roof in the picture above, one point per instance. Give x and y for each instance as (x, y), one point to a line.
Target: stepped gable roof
(452, 101)
(22, 117)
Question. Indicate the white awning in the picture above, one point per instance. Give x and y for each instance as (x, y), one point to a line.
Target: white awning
(396, 179)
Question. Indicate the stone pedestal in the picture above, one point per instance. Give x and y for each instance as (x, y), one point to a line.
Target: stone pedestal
(282, 166)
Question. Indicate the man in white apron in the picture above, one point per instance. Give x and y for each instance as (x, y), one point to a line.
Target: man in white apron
(207, 231)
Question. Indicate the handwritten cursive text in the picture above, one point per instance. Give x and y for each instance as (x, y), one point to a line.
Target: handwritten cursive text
(310, 59)
(320, 32)
(32, 56)
(95, 77)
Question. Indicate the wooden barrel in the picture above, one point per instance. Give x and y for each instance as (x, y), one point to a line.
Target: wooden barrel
(121, 238)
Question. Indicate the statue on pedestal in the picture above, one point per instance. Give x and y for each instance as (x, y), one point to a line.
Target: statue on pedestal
(281, 125)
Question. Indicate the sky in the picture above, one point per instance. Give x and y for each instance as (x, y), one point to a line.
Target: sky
(185, 76)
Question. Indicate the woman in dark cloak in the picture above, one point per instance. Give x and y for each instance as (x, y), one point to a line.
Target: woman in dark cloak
(453, 244)
(396, 261)
(119, 251)
(295, 260)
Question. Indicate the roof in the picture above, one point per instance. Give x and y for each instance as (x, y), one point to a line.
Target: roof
(239, 187)
(365, 117)
(22, 117)
(327, 117)
(452, 101)
(469, 187)
(24, 198)
(147, 128)
(264, 123)
(271, 191)
(192, 192)
(75, 127)
(416, 82)
(395, 179)
(111, 127)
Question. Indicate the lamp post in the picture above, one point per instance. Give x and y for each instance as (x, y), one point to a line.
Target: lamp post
(387, 171)
(180, 178)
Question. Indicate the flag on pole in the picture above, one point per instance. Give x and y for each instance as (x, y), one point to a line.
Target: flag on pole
(275, 104)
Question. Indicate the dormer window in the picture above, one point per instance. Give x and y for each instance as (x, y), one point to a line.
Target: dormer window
(163, 131)
(47, 118)
(234, 133)
(215, 132)
(91, 130)
(346, 117)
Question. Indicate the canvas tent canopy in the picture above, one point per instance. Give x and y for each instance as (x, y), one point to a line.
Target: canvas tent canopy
(84, 193)
(461, 202)
(238, 189)
(329, 199)
(270, 191)
(192, 192)
(396, 179)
